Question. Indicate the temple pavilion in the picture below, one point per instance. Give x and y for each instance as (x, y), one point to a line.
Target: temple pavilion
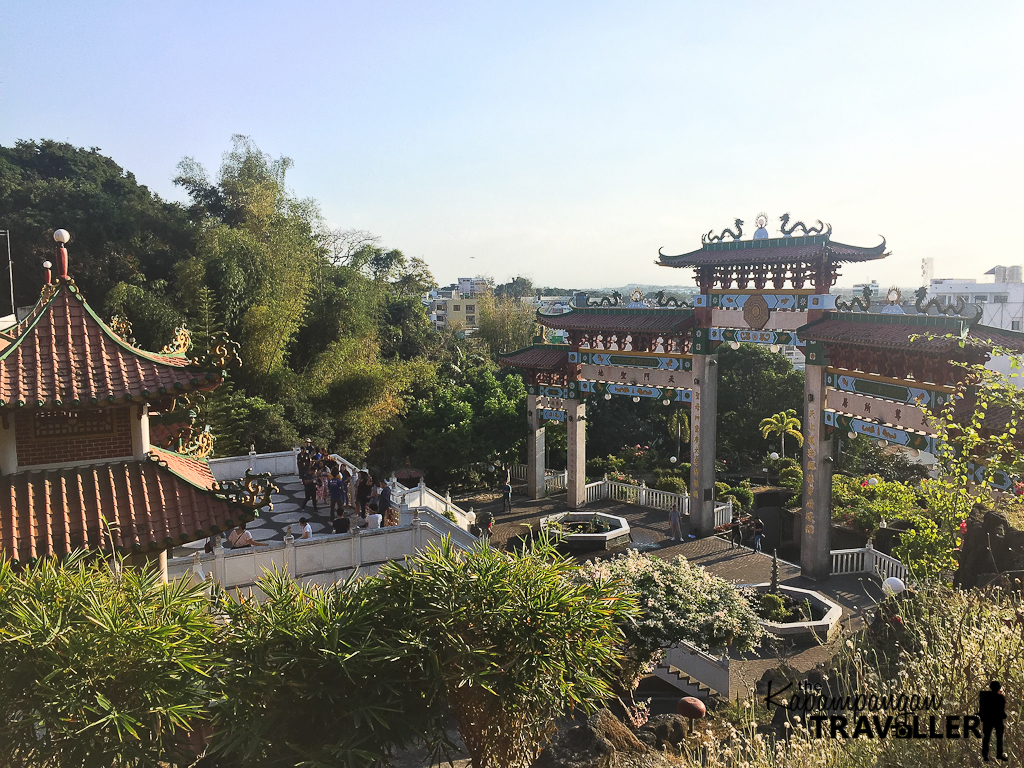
(78, 469)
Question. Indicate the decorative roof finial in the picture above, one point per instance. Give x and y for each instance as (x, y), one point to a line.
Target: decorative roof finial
(62, 236)
(48, 266)
(761, 233)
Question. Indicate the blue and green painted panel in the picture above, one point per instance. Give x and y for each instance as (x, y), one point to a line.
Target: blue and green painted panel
(634, 390)
(901, 393)
(549, 414)
(879, 431)
(781, 338)
(681, 363)
(797, 301)
(563, 393)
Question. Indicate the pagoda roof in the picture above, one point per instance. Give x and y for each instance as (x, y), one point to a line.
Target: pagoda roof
(162, 501)
(926, 333)
(773, 250)
(539, 357)
(63, 354)
(620, 319)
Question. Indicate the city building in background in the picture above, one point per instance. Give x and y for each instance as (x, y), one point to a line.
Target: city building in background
(1001, 301)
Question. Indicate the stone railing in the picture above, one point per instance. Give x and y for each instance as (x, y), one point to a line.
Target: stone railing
(324, 559)
(234, 467)
(637, 494)
(701, 666)
(867, 560)
(555, 482)
(723, 513)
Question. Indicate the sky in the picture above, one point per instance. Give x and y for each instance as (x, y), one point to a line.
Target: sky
(565, 142)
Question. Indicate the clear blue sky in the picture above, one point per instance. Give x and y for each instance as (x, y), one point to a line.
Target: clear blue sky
(562, 141)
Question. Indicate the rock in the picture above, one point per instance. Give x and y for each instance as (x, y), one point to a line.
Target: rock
(593, 745)
(691, 708)
(668, 730)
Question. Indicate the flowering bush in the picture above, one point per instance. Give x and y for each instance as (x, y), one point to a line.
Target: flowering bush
(678, 601)
(622, 477)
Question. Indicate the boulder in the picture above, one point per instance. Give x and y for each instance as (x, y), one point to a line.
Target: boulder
(977, 560)
(668, 730)
(593, 745)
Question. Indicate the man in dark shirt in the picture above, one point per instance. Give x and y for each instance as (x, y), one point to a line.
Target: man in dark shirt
(735, 532)
(383, 497)
(992, 711)
(335, 489)
(341, 524)
(309, 487)
(506, 502)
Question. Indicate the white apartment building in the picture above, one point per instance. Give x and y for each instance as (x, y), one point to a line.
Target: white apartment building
(1001, 301)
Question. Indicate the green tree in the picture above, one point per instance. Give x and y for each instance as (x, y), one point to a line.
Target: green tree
(780, 425)
(753, 384)
(513, 640)
(121, 232)
(103, 665)
(504, 324)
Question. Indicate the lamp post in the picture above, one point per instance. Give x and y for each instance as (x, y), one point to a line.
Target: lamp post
(10, 270)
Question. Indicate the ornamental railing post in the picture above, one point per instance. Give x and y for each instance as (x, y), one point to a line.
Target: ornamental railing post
(869, 558)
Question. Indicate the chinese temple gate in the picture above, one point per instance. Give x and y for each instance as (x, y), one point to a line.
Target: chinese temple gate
(867, 373)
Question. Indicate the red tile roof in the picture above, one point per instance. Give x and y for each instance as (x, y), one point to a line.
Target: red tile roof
(159, 502)
(620, 319)
(919, 332)
(774, 251)
(62, 354)
(542, 357)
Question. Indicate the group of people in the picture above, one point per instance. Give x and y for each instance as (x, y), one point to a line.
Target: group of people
(328, 482)
(736, 532)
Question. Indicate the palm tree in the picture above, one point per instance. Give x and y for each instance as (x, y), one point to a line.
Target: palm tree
(782, 424)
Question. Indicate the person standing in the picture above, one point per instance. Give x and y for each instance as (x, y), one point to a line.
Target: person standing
(735, 532)
(335, 488)
(675, 529)
(364, 489)
(506, 503)
(383, 497)
(322, 476)
(309, 487)
(992, 711)
(758, 533)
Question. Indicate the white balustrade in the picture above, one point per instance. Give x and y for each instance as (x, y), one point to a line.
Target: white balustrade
(723, 513)
(867, 560)
(701, 666)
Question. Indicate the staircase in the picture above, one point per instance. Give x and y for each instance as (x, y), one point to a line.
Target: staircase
(686, 684)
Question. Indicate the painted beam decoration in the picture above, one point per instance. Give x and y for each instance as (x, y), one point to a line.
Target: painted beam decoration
(795, 301)
(649, 378)
(546, 414)
(782, 338)
(890, 412)
(931, 397)
(562, 393)
(634, 360)
(630, 390)
(879, 431)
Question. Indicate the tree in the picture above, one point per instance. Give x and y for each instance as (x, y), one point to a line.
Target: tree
(782, 424)
(753, 384)
(318, 676)
(121, 232)
(513, 639)
(516, 288)
(679, 601)
(103, 665)
(505, 324)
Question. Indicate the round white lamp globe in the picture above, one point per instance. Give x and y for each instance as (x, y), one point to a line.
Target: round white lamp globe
(636, 399)
(872, 481)
(666, 401)
(774, 456)
(607, 395)
(61, 236)
(47, 265)
(471, 517)
(774, 348)
(734, 344)
(672, 459)
(851, 435)
(893, 586)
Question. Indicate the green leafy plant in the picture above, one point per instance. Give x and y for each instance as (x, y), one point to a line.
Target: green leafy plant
(103, 665)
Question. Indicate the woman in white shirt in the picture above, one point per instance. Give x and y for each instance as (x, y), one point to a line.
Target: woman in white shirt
(307, 529)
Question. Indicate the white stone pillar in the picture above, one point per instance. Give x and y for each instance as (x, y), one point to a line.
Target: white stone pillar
(703, 436)
(576, 452)
(162, 564)
(815, 539)
(140, 430)
(534, 450)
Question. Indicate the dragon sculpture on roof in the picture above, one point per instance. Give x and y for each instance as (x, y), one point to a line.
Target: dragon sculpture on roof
(710, 237)
(818, 230)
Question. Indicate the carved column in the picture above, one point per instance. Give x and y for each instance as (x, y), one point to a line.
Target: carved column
(703, 435)
(140, 431)
(534, 450)
(576, 452)
(815, 543)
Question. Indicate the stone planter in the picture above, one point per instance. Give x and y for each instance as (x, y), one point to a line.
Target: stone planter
(585, 542)
(805, 632)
